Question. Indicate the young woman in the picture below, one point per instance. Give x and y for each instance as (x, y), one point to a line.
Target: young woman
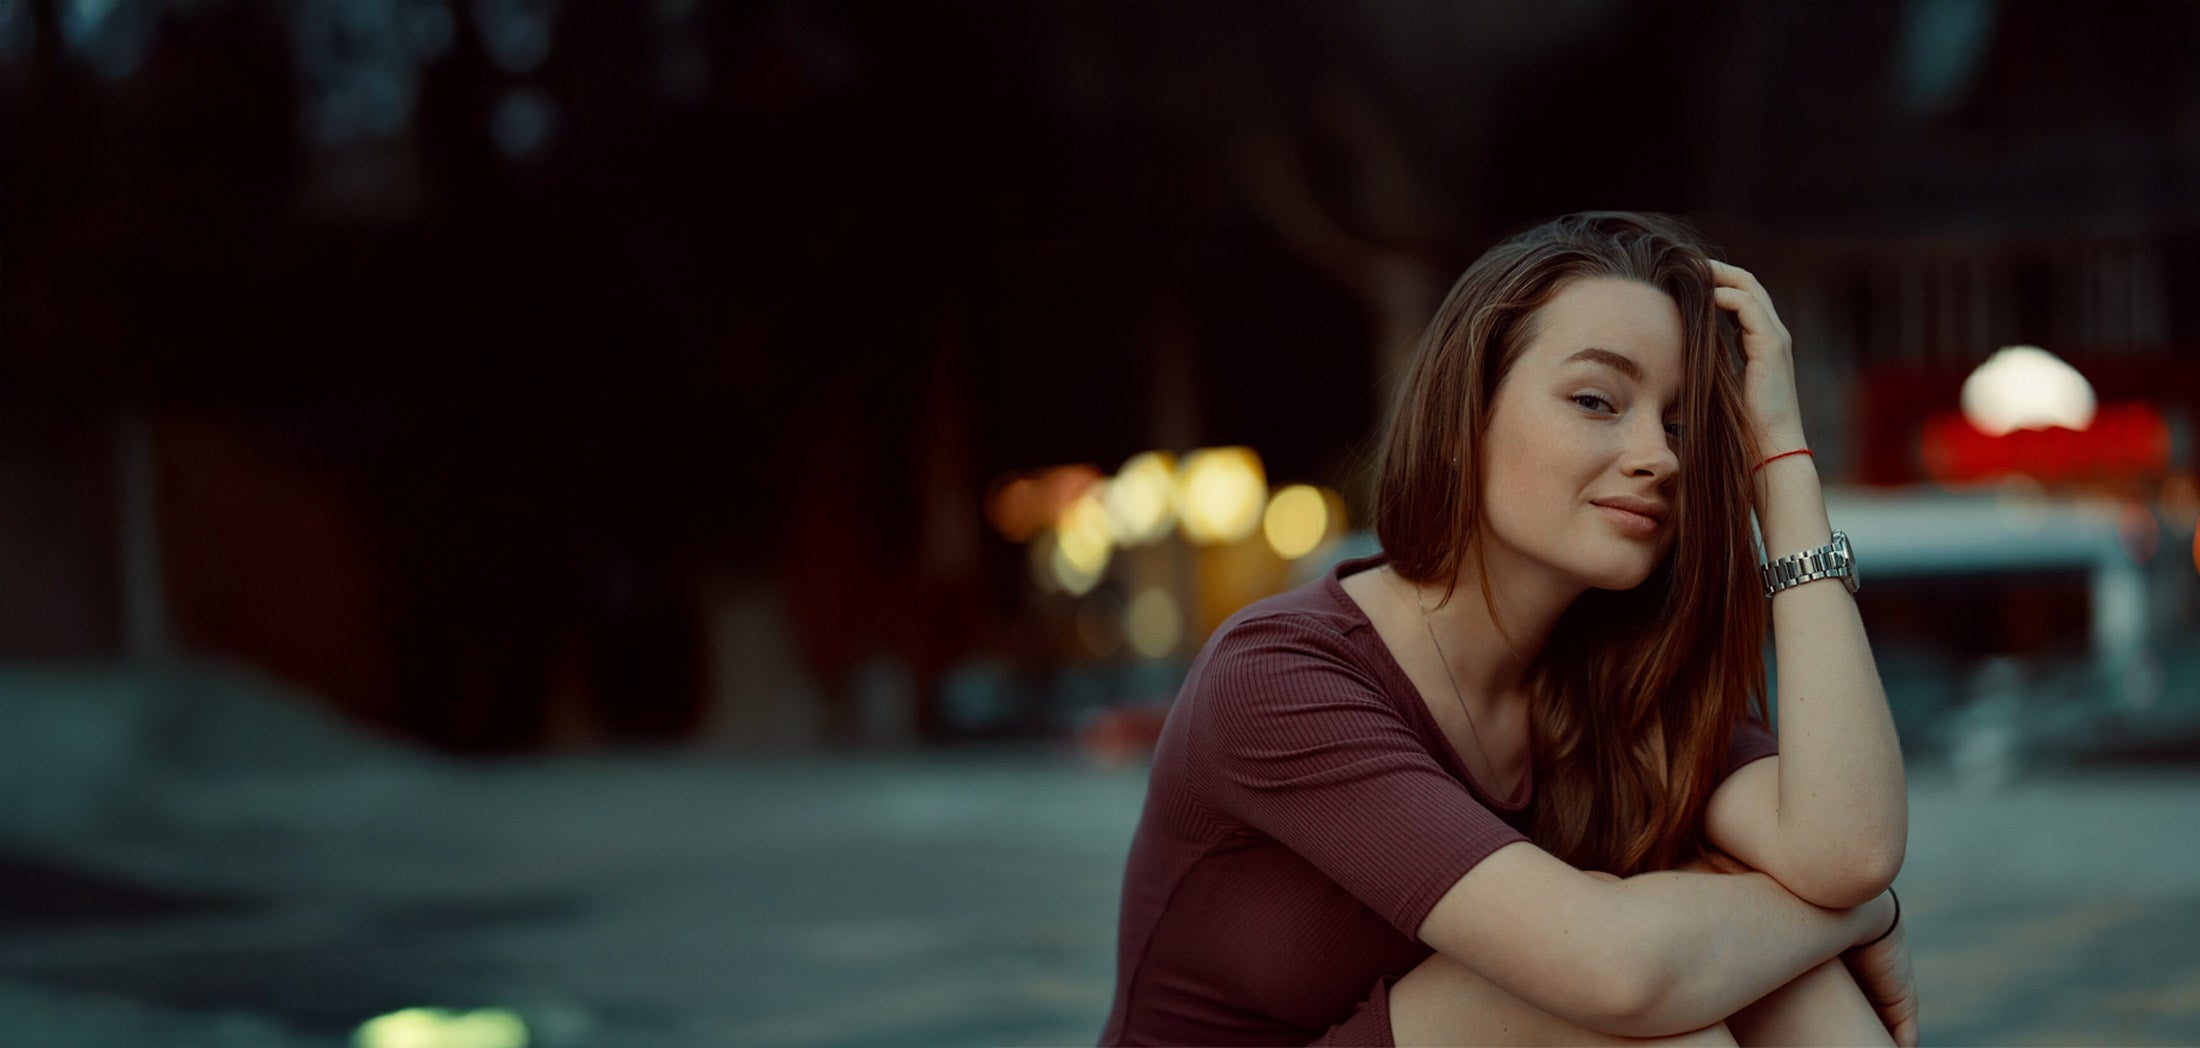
(1549, 812)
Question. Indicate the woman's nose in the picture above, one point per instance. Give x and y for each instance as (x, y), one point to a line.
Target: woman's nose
(1651, 452)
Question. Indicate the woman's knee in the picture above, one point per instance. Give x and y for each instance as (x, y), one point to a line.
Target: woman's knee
(1821, 1006)
(1713, 1036)
(1444, 1002)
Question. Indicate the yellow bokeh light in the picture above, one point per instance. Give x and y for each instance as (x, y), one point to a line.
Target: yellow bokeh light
(1221, 493)
(1082, 544)
(1296, 522)
(1153, 624)
(1141, 500)
(441, 1028)
(1085, 536)
(1073, 577)
(1020, 506)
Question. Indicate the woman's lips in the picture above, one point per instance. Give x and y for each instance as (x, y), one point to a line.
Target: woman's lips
(1630, 521)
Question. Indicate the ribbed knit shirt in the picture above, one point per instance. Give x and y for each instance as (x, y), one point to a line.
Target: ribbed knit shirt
(1303, 815)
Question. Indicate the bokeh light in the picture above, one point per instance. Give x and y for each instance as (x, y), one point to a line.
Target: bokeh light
(515, 35)
(2026, 387)
(523, 122)
(1297, 521)
(1073, 576)
(1022, 505)
(1013, 508)
(1153, 624)
(1141, 500)
(1221, 494)
(442, 1028)
(1085, 543)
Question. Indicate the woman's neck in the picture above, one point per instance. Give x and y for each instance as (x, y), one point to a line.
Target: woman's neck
(1489, 655)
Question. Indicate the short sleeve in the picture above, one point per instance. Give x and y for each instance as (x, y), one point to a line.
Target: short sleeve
(1751, 741)
(1295, 739)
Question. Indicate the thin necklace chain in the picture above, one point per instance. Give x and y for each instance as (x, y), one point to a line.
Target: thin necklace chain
(1456, 694)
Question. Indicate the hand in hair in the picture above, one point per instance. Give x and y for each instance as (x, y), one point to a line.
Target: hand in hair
(1768, 380)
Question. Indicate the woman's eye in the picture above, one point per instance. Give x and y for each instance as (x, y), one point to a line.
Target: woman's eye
(1592, 402)
(1673, 429)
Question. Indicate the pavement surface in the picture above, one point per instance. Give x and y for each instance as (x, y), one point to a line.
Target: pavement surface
(962, 898)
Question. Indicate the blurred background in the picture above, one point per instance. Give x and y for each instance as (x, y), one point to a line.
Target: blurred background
(574, 522)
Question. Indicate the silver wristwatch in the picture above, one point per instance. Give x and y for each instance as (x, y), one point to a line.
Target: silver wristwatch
(1832, 560)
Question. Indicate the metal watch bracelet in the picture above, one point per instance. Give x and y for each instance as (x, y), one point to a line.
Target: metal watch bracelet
(1833, 560)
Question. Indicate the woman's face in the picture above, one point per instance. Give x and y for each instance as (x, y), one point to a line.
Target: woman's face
(1581, 447)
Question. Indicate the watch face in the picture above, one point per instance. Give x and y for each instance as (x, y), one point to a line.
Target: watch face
(1848, 559)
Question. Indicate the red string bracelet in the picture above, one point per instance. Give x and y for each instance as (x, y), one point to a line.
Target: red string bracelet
(1782, 455)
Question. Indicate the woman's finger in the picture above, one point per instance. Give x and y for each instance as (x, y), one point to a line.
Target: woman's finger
(1725, 274)
(1757, 320)
(1731, 276)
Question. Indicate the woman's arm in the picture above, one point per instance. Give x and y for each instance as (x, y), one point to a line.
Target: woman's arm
(1656, 954)
(1831, 821)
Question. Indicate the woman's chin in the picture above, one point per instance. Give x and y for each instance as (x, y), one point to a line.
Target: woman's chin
(1621, 579)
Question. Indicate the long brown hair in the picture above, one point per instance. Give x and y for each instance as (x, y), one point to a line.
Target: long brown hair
(1636, 692)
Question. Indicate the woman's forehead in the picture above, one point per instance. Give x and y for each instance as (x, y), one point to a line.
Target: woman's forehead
(1591, 322)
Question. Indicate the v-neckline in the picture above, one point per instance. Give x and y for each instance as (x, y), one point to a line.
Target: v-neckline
(1402, 684)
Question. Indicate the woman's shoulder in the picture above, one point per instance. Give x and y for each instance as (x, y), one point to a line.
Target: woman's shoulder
(1286, 626)
(1282, 656)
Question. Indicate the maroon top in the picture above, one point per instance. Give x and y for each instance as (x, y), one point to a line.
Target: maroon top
(1304, 814)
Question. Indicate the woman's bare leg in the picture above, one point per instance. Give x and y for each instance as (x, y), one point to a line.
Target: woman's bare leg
(1823, 1006)
(1445, 1002)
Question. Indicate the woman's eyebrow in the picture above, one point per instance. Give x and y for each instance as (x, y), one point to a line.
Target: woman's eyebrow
(1609, 359)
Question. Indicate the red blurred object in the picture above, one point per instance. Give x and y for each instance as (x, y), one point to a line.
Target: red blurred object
(1895, 405)
(2129, 439)
(1023, 505)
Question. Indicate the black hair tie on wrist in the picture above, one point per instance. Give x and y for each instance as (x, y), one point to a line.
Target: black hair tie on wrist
(1897, 923)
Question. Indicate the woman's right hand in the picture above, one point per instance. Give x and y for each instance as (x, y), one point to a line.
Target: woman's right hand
(1883, 971)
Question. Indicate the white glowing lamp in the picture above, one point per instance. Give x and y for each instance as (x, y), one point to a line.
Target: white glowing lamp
(2026, 387)
(1221, 494)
